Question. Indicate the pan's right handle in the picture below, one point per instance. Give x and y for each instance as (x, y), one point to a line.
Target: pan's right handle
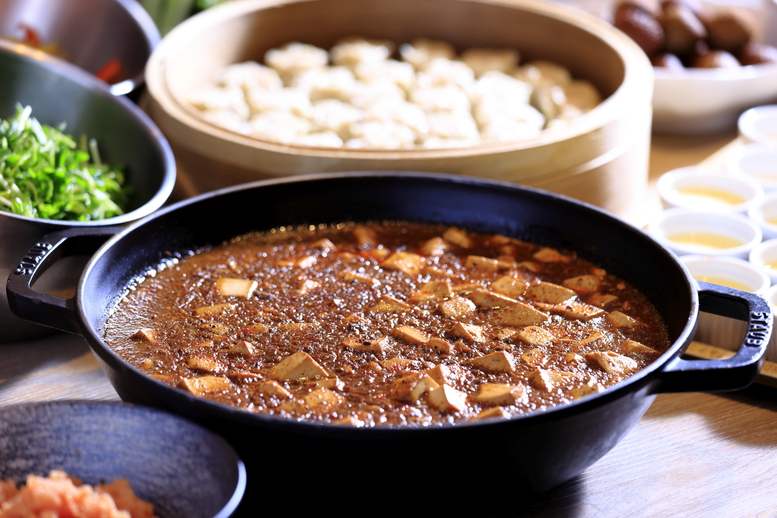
(43, 308)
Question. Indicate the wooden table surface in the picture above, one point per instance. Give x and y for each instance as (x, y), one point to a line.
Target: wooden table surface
(691, 455)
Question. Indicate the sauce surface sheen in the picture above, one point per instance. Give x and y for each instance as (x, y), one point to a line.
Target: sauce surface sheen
(386, 324)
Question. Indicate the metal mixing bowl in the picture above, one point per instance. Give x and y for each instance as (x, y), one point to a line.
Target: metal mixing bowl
(181, 468)
(61, 92)
(88, 33)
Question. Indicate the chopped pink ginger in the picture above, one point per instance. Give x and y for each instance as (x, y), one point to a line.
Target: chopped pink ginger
(61, 496)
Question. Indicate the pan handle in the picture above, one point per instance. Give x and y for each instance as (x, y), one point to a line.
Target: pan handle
(737, 372)
(43, 308)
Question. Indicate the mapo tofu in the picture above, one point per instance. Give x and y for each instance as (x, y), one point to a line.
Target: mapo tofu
(386, 324)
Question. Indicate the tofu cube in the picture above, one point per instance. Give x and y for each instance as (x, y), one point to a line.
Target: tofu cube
(298, 366)
(354, 277)
(549, 292)
(593, 337)
(456, 308)
(447, 399)
(584, 390)
(305, 261)
(398, 364)
(297, 326)
(534, 357)
(243, 347)
(493, 412)
(574, 309)
(463, 289)
(322, 400)
(489, 299)
(215, 328)
(306, 285)
(520, 314)
(500, 394)
(410, 335)
(210, 311)
(204, 384)
(550, 255)
(536, 336)
(602, 300)
(434, 247)
(145, 335)
(432, 290)
(370, 346)
(613, 363)
(324, 244)
(204, 364)
(387, 304)
(439, 345)
(632, 346)
(257, 328)
(354, 318)
(622, 320)
(327, 383)
(496, 362)
(443, 374)
(505, 333)
(583, 283)
(364, 236)
(412, 386)
(468, 332)
(457, 237)
(242, 288)
(483, 263)
(509, 286)
(406, 262)
(551, 380)
(274, 389)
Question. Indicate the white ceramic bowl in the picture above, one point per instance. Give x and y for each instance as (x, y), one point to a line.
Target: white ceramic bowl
(759, 125)
(771, 296)
(705, 101)
(764, 214)
(694, 232)
(728, 271)
(757, 161)
(703, 188)
(736, 273)
(764, 257)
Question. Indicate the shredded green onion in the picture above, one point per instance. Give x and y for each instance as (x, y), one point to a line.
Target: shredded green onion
(45, 174)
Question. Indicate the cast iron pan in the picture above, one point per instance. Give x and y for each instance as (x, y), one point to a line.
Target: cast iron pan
(534, 452)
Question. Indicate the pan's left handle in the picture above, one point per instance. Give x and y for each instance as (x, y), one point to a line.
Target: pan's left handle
(43, 308)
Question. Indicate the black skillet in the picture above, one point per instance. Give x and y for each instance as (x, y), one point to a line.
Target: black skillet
(535, 452)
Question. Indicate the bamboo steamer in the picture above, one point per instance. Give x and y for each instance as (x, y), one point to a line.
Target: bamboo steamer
(600, 158)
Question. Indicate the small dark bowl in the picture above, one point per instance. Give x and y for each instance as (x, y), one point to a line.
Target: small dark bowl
(61, 92)
(183, 469)
(89, 33)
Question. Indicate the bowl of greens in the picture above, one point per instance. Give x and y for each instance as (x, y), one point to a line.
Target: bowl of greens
(71, 154)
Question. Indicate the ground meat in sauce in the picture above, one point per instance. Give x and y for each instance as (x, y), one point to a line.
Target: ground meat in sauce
(386, 324)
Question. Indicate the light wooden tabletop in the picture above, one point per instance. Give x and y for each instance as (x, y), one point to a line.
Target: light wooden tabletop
(691, 455)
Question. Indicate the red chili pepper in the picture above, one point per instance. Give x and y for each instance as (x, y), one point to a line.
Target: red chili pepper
(110, 72)
(31, 37)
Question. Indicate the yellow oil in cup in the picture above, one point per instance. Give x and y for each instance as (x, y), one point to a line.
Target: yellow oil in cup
(723, 281)
(703, 196)
(708, 240)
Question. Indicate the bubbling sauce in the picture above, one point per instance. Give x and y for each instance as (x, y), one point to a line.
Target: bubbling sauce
(386, 324)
